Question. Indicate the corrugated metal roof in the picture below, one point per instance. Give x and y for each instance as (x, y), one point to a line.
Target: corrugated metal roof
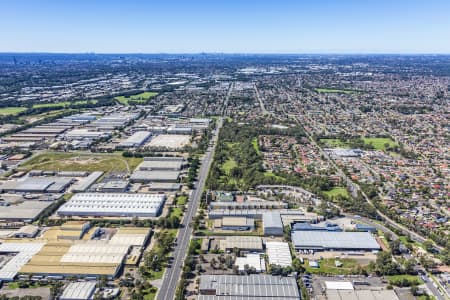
(251, 287)
(334, 240)
(279, 254)
(78, 291)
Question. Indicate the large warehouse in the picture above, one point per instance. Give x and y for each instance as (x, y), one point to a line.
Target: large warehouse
(37, 185)
(279, 254)
(272, 224)
(113, 205)
(161, 163)
(216, 287)
(155, 176)
(136, 140)
(334, 240)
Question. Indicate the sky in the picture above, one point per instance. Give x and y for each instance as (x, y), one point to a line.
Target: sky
(225, 26)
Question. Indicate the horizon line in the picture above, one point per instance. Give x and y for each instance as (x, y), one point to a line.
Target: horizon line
(226, 53)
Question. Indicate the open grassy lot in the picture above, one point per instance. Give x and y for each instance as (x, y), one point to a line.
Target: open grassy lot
(176, 212)
(334, 192)
(78, 161)
(7, 111)
(327, 266)
(380, 143)
(229, 165)
(334, 143)
(63, 104)
(327, 90)
(396, 279)
(141, 98)
(181, 200)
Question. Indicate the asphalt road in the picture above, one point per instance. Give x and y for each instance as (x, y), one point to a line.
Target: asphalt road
(173, 274)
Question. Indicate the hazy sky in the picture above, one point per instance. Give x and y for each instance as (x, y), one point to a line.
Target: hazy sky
(298, 26)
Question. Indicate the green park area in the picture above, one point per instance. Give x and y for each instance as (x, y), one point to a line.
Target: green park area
(380, 143)
(141, 98)
(228, 165)
(377, 143)
(75, 161)
(334, 143)
(335, 91)
(8, 111)
(337, 191)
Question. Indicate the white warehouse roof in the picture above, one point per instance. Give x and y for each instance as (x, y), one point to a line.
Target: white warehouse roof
(79, 291)
(113, 204)
(279, 254)
(334, 240)
(25, 252)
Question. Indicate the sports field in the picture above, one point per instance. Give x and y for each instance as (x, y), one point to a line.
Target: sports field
(380, 143)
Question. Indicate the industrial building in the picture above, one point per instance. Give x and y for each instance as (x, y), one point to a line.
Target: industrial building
(255, 286)
(23, 252)
(138, 139)
(279, 254)
(161, 163)
(86, 183)
(334, 240)
(113, 205)
(114, 186)
(84, 133)
(37, 185)
(342, 290)
(26, 211)
(248, 205)
(309, 227)
(252, 260)
(290, 215)
(155, 176)
(84, 257)
(28, 231)
(79, 291)
(244, 243)
(235, 223)
(164, 187)
(272, 224)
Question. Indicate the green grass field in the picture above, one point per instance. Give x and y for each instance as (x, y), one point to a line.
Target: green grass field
(334, 143)
(141, 98)
(334, 192)
(75, 161)
(229, 165)
(327, 90)
(416, 280)
(8, 111)
(181, 200)
(380, 143)
(176, 212)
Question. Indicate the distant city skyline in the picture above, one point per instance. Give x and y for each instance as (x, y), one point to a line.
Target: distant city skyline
(175, 26)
